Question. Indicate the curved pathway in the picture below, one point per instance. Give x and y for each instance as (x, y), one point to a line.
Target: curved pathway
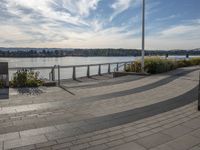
(142, 115)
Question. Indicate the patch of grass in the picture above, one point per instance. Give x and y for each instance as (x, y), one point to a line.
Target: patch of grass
(154, 65)
(26, 78)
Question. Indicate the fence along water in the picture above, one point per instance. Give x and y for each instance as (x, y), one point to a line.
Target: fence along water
(58, 72)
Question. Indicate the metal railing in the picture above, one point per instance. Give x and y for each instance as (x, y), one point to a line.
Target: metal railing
(88, 66)
(53, 69)
(30, 68)
(122, 65)
(52, 73)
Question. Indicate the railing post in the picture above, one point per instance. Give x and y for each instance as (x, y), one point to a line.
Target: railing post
(109, 69)
(199, 94)
(50, 76)
(125, 67)
(58, 75)
(53, 73)
(74, 73)
(88, 71)
(117, 69)
(187, 56)
(166, 56)
(99, 73)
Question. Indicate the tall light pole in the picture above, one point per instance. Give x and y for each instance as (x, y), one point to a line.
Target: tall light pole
(143, 34)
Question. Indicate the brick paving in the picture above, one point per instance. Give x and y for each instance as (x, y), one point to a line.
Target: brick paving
(156, 112)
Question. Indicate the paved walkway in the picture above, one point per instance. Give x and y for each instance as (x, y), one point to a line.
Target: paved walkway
(156, 112)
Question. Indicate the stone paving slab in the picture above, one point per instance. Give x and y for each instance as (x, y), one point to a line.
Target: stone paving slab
(116, 128)
(69, 121)
(154, 140)
(53, 92)
(184, 142)
(41, 106)
(98, 82)
(67, 95)
(126, 86)
(24, 141)
(177, 131)
(114, 142)
(9, 136)
(129, 146)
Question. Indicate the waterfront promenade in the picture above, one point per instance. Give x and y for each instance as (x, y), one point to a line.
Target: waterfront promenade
(157, 112)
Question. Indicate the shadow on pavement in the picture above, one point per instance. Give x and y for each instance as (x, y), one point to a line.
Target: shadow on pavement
(29, 91)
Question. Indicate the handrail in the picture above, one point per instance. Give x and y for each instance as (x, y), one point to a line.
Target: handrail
(52, 73)
(58, 67)
(122, 65)
(70, 66)
(32, 68)
(77, 66)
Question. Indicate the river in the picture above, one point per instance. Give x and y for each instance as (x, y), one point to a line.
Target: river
(65, 61)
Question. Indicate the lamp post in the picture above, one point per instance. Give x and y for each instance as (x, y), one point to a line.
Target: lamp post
(199, 94)
(143, 34)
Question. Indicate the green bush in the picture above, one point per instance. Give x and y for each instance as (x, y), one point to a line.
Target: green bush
(159, 65)
(26, 78)
(187, 63)
(155, 65)
(184, 63)
(134, 67)
(195, 61)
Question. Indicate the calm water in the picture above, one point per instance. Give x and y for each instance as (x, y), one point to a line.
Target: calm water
(64, 61)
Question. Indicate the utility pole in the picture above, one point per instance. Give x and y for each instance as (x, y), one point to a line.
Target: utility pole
(199, 94)
(143, 34)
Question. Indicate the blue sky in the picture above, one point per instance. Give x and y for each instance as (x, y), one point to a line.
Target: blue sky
(170, 24)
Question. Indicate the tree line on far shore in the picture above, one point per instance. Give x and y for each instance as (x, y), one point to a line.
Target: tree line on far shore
(53, 52)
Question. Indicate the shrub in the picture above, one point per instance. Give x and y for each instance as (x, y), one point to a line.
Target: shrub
(155, 65)
(195, 61)
(184, 63)
(134, 67)
(26, 78)
(158, 65)
(190, 62)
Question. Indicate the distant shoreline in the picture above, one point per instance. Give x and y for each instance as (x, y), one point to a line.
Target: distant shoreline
(85, 56)
(60, 56)
(30, 53)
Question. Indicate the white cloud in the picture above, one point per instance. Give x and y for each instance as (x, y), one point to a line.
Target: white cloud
(167, 18)
(66, 23)
(9, 33)
(120, 6)
(181, 31)
(97, 25)
(84, 6)
(183, 36)
(79, 9)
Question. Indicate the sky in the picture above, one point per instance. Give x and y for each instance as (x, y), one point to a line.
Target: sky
(170, 24)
